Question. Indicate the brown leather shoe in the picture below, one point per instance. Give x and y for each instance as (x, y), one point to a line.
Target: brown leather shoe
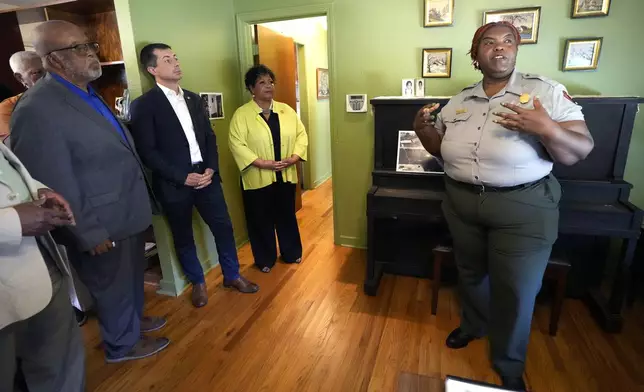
(144, 348)
(199, 295)
(151, 324)
(242, 285)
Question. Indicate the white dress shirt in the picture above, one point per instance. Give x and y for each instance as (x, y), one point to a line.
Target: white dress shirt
(178, 103)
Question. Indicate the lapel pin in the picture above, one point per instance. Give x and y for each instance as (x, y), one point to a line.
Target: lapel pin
(524, 98)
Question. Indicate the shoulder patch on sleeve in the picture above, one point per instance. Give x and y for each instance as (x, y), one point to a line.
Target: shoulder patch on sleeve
(567, 96)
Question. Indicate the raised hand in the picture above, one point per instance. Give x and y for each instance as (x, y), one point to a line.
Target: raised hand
(424, 117)
(535, 121)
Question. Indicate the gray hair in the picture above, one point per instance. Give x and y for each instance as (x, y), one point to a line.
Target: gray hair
(18, 60)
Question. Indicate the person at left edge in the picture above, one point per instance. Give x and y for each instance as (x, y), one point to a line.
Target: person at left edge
(176, 142)
(68, 138)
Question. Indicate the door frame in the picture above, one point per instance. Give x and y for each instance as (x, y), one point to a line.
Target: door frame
(246, 20)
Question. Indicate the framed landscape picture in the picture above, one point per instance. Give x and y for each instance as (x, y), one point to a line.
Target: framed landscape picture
(590, 8)
(437, 63)
(526, 20)
(439, 13)
(582, 54)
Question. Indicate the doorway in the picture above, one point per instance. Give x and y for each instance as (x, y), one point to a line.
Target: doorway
(296, 50)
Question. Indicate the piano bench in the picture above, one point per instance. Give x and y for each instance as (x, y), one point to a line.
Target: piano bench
(557, 271)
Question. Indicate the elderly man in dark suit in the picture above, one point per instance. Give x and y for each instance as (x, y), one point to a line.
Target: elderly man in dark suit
(176, 142)
(68, 138)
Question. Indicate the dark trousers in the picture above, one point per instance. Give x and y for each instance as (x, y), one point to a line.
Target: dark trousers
(211, 205)
(115, 281)
(502, 242)
(49, 347)
(271, 209)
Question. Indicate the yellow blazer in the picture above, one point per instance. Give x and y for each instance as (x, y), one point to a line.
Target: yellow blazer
(250, 139)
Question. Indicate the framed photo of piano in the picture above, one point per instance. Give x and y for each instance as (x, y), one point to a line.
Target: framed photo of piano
(412, 156)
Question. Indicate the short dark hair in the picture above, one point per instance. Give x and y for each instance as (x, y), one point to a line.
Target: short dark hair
(256, 72)
(147, 57)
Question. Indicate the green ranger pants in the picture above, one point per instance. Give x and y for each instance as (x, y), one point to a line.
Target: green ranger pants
(502, 243)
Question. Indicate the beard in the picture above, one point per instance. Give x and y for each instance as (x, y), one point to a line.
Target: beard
(94, 73)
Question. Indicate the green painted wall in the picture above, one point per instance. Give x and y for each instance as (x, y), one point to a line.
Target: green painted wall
(202, 33)
(378, 42)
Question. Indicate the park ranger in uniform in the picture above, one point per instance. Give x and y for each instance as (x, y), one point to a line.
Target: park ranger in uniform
(498, 140)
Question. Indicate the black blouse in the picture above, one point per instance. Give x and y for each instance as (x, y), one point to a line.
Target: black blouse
(273, 122)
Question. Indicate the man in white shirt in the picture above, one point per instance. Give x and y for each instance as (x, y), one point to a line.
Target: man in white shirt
(176, 142)
(37, 325)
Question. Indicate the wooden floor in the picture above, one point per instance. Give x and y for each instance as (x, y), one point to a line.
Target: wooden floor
(311, 328)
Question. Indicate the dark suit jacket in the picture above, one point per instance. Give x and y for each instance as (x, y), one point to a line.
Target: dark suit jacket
(162, 143)
(67, 145)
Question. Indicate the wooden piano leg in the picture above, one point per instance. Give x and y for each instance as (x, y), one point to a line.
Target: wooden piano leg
(622, 279)
(371, 281)
(609, 311)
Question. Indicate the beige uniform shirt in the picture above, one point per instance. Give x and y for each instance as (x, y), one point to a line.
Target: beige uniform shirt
(477, 150)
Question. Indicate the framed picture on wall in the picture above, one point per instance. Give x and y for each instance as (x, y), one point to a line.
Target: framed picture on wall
(323, 83)
(582, 54)
(437, 63)
(439, 13)
(213, 104)
(526, 20)
(590, 8)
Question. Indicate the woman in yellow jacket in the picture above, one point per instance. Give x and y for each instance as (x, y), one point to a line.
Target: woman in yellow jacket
(267, 139)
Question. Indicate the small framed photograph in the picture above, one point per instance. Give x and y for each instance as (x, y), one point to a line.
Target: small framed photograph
(526, 20)
(356, 103)
(590, 8)
(323, 83)
(582, 54)
(437, 63)
(412, 156)
(419, 84)
(213, 105)
(439, 13)
(408, 88)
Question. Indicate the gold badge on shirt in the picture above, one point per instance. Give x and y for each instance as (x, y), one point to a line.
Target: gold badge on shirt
(524, 98)
(461, 111)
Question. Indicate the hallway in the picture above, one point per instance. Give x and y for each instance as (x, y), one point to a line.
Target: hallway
(311, 328)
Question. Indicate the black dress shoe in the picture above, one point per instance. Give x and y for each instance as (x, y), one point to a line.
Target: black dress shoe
(513, 383)
(458, 339)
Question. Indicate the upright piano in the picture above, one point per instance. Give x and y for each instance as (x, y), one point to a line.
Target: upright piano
(595, 199)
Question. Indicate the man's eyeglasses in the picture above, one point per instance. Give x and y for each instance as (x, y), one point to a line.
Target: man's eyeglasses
(81, 49)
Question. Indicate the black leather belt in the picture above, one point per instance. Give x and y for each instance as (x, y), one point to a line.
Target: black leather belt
(198, 167)
(476, 188)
